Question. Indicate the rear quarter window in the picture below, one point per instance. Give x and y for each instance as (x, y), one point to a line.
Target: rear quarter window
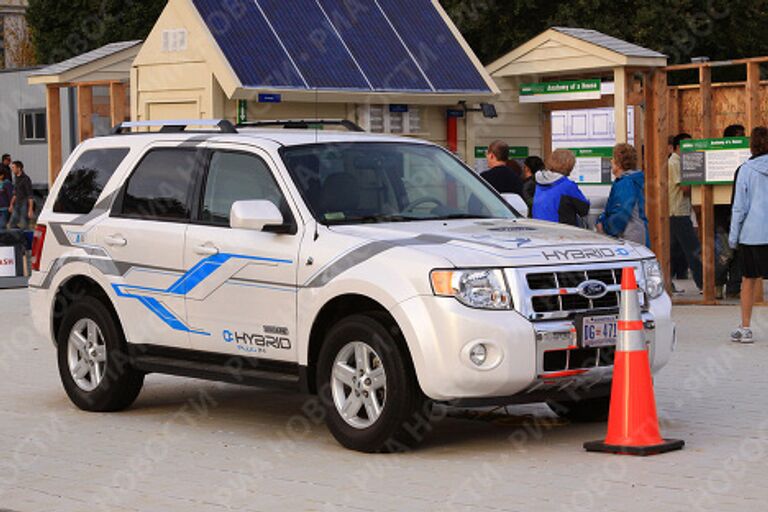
(86, 180)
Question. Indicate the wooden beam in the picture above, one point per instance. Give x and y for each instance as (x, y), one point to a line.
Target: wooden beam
(546, 133)
(53, 120)
(657, 173)
(673, 119)
(620, 94)
(707, 220)
(605, 101)
(753, 96)
(117, 103)
(85, 112)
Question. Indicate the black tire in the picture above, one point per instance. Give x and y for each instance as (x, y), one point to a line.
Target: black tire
(120, 384)
(588, 410)
(405, 416)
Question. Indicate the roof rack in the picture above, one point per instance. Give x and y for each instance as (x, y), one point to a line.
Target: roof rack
(303, 124)
(175, 126)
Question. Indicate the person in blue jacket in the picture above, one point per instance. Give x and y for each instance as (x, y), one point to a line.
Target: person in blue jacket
(557, 197)
(749, 229)
(624, 215)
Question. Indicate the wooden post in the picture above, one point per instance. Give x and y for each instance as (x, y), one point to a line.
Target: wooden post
(707, 220)
(117, 102)
(85, 112)
(657, 173)
(620, 103)
(546, 133)
(53, 120)
(673, 119)
(753, 120)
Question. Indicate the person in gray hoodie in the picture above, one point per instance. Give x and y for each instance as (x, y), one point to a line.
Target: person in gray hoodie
(749, 230)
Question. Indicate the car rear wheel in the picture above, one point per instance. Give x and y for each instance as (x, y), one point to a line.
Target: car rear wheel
(93, 360)
(372, 399)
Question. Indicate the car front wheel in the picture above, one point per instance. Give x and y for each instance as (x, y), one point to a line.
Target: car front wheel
(366, 382)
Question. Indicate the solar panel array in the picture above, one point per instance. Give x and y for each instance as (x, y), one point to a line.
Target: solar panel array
(357, 45)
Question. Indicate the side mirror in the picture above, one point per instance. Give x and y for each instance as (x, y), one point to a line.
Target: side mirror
(516, 202)
(254, 215)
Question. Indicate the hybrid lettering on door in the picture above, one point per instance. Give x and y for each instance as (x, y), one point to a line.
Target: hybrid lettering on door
(258, 343)
(601, 253)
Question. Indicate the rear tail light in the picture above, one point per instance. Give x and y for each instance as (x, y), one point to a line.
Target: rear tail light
(37, 246)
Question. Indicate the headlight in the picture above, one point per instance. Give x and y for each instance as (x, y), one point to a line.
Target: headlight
(654, 278)
(476, 288)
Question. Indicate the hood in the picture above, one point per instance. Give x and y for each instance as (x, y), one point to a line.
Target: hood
(500, 243)
(636, 176)
(760, 164)
(547, 177)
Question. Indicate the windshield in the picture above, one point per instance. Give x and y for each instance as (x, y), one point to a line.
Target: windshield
(362, 182)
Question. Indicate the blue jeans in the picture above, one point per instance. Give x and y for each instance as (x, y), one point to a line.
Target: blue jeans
(682, 231)
(19, 218)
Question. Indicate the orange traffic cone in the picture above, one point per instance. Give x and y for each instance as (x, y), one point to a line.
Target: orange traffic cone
(633, 428)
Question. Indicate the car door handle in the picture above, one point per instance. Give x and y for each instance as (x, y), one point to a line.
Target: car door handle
(115, 241)
(206, 249)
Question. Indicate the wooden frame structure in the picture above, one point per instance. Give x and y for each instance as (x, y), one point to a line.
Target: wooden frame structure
(117, 111)
(707, 128)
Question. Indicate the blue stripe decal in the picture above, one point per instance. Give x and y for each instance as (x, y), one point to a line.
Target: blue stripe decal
(185, 284)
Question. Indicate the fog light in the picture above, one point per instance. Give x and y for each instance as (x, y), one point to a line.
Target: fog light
(478, 354)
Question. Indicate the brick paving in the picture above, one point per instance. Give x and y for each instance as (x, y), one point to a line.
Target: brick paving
(190, 445)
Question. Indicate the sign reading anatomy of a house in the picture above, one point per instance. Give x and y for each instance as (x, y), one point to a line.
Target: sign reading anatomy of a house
(566, 90)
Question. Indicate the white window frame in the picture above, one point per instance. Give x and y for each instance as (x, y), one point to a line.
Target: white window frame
(364, 117)
(32, 112)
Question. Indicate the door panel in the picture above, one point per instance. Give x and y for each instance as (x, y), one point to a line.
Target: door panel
(241, 287)
(148, 260)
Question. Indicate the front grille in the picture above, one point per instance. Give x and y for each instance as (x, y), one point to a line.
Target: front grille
(577, 359)
(555, 292)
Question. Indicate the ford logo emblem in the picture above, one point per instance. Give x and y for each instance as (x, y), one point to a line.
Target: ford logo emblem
(593, 289)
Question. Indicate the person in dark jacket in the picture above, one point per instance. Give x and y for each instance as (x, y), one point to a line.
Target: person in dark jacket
(6, 194)
(624, 215)
(558, 198)
(500, 175)
(531, 166)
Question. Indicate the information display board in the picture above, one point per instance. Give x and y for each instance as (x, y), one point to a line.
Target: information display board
(712, 161)
(593, 166)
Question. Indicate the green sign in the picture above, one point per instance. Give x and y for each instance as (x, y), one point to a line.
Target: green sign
(602, 152)
(560, 91)
(690, 145)
(516, 152)
(711, 161)
(242, 111)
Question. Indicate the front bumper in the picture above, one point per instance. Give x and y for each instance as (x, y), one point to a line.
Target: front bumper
(440, 331)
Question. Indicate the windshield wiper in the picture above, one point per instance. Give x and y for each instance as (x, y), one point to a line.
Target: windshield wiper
(375, 219)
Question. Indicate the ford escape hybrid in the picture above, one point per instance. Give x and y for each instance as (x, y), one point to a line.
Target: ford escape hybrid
(379, 273)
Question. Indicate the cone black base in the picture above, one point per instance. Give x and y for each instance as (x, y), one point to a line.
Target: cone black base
(669, 445)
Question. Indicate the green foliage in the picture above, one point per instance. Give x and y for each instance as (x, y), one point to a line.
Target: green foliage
(61, 30)
(682, 29)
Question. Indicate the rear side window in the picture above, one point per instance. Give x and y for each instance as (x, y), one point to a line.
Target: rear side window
(160, 188)
(86, 180)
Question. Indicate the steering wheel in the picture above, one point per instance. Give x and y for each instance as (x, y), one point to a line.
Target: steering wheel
(423, 200)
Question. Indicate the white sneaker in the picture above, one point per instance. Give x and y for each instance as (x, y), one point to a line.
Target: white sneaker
(742, 335)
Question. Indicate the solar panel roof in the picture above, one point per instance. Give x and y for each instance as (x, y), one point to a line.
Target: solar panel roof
(367, 46)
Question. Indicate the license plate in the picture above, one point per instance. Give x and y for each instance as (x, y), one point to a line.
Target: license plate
(599, 331)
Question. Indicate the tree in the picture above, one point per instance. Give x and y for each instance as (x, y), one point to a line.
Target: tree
(682, 29)
(61, 30)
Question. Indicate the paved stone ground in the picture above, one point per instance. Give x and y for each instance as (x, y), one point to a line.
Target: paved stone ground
(194, 446)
